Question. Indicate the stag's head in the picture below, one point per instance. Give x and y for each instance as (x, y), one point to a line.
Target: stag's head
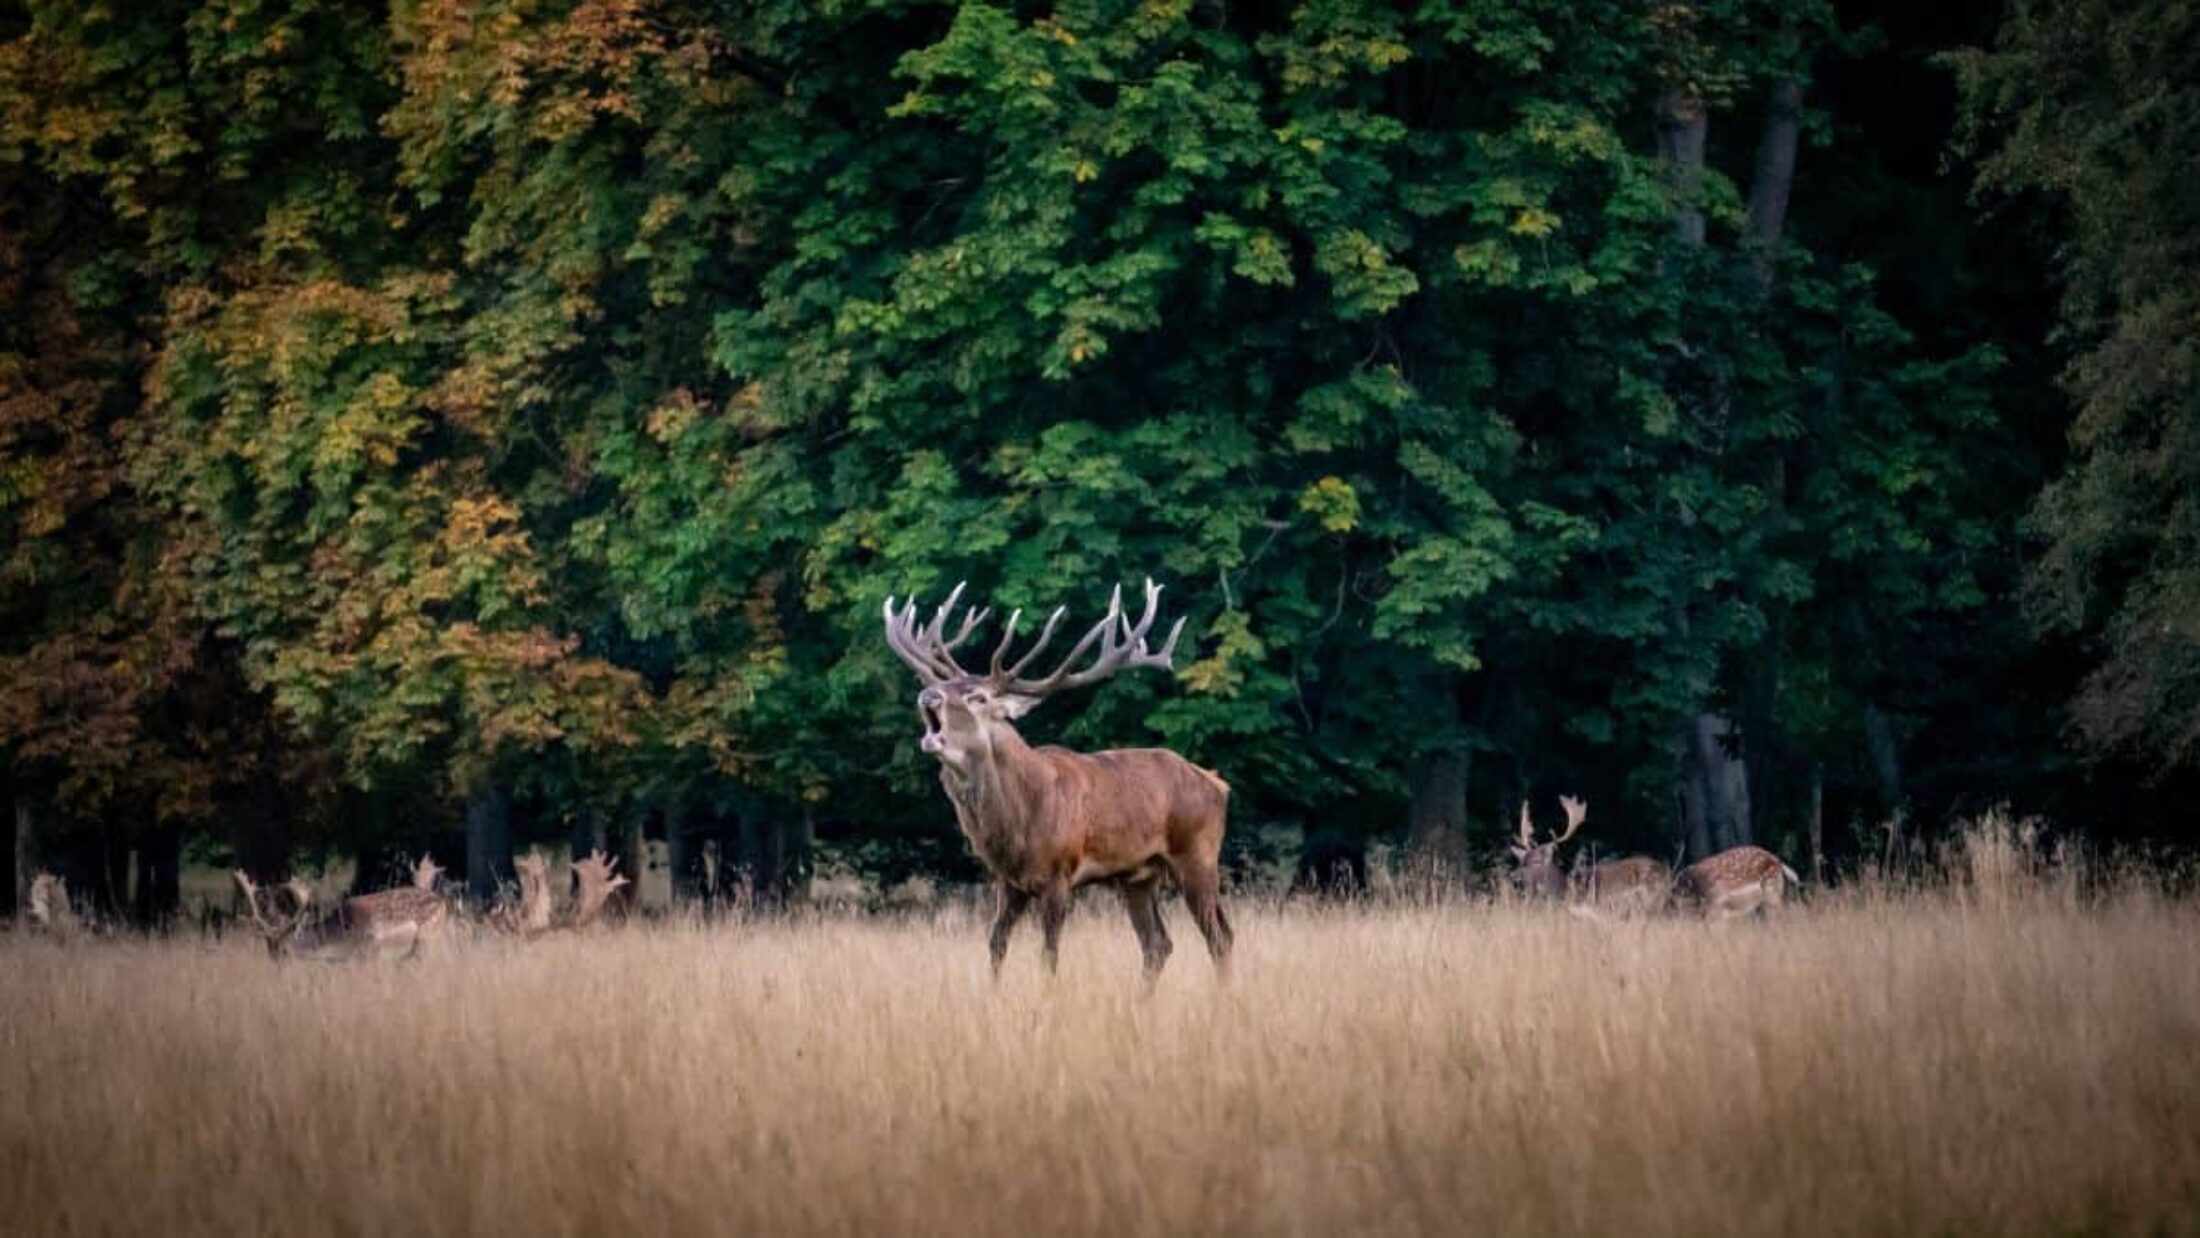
(1536, 871)
(425, 872)
(964, 715)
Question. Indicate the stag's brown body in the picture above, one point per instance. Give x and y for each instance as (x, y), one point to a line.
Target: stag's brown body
(1046, 820)
(1043, 816)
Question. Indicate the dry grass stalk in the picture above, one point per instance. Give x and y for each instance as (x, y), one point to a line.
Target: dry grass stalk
(1895, 1066)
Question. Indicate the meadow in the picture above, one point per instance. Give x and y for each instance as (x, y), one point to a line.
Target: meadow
(1991, 1054)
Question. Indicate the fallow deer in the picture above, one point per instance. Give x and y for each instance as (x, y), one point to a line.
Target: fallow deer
(532, 917)
(1734, 882)
(384, 922)
(1047, 820)
(599, 879)
(535, 915)
(1634, 883)
(48, 912)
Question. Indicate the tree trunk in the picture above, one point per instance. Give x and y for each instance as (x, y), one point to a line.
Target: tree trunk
(1437, 848)
(1775, 176)
(1714, 786)
(1683, 126)
(796, 852)
(159, 886)
(1817, 824)
(684, 839)
(29, 826)
(1886, 759)
(488, 841)
(258, 836)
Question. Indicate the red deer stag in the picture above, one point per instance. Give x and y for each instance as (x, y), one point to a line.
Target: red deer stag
(1047, 820)
(1734, 882)
(1634, 883)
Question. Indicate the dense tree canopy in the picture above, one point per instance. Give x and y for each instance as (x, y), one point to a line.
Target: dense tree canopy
(451, 404)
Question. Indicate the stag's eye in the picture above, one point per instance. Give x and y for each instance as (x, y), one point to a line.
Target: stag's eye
(975, 698)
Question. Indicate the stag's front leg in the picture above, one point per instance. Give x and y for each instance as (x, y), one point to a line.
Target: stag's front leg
(1012, 906)
(1053, 911)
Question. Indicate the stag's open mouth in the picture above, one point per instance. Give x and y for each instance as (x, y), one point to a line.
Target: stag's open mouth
(934, 739)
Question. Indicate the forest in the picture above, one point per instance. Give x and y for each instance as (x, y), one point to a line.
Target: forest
(461, 426)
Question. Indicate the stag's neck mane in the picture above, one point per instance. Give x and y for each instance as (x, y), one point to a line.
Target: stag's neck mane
(995, 785)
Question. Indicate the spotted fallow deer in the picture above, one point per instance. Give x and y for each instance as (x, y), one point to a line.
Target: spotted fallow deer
(1631, 884)
(47, 911)
(1047, 820)
(383, 923)
(1735, 882)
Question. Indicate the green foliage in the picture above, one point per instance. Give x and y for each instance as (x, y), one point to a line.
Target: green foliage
(2091, 104)
(552, 392)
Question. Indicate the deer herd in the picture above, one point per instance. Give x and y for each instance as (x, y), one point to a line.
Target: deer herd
(404, 921)
(1045, 822)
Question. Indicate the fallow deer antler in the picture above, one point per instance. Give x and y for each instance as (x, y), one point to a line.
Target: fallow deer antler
(1576, 813)
(599, 878)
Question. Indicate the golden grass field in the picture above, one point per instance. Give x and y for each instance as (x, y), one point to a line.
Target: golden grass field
(1958, 1061)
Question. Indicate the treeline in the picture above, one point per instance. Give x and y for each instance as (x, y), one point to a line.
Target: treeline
(464, 424)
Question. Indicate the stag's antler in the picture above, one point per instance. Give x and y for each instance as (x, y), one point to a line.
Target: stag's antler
(1122, 647)
(1576, 813)
(275, 933)
(928, 650)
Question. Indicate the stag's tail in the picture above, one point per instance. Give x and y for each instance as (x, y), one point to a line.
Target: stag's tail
(1792, 878)
(1213, 778)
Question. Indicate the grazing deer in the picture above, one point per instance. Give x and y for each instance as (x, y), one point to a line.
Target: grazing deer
(48, 912)
(1734, 882)
(1047, 820)
(1633, 884)
(378, 923)
(535, 915)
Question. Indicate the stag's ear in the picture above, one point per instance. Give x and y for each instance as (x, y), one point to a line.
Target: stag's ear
(1519, 852)
(1015, 704)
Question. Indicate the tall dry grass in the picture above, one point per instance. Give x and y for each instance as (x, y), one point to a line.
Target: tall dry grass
(1994, 1058)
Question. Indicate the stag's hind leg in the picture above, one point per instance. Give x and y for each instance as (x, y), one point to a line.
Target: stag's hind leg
(1141, 900)
(1201, 880)
(1013, 904)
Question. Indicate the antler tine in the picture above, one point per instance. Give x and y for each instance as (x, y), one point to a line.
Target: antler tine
(252, 901)
(304, 896)
(1527, 827)
(908, 642)
(935, 634)
(1046, 634)
(1576, 813)
(1122, 646)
